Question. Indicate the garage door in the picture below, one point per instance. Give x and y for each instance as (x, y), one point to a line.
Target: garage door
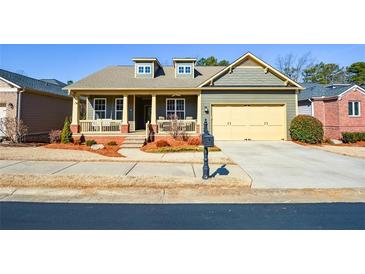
(249, 122)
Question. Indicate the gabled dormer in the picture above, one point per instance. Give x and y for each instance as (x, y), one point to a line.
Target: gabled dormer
(146, 67)
(184, 67)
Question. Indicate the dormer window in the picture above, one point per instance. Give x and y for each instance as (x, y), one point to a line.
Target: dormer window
(144, 69)
(184, 69)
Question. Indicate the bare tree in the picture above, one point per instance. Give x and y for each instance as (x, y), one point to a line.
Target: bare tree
(13, 130)
(293, 66)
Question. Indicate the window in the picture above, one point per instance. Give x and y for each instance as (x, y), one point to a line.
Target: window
(118, 108)
(354, 109)
(184, 69)
(144, 69)
(175, 108)
(99, 108)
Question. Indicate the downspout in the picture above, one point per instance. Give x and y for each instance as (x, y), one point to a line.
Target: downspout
(18, 106)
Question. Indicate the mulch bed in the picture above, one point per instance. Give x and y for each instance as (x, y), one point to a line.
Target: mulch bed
(358, 144)
(109, 151)
(175, 146)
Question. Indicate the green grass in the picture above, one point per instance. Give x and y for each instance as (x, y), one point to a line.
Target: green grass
(179, 149)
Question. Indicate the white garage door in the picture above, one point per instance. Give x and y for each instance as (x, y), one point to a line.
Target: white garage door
(249, 122)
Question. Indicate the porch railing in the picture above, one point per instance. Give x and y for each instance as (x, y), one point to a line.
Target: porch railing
(101, 125)
(166, 126)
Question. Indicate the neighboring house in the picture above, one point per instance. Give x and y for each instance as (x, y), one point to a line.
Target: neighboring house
(247, 100)
(340, 107)
(41, 104)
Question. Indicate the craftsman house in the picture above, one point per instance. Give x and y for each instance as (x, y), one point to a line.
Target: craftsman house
(246, 100)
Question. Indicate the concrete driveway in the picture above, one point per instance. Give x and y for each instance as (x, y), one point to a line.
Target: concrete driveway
(288, 165)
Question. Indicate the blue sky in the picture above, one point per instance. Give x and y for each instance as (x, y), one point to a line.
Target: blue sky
(73, 62)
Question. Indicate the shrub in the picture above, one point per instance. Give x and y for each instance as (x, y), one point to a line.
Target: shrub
(353, 137)
(82, 139)
(162, 143)
(66, 135)
(13, 130)
(90, 142)
(307, 129)
(194, 141)
(112, 143)
(55, 136)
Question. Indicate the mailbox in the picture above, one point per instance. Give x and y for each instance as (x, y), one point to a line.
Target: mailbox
(208, 140)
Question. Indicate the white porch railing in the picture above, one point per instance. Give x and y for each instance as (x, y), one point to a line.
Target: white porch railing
(165, 126)
(101, 125)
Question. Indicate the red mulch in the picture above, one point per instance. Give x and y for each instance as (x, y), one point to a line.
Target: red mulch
(172, 142)
(109, 151)
(358, 144)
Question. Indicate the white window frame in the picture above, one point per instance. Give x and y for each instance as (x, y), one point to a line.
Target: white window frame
(353, 108)
(175, 99)
(144, 69)
(115, 108)
(104, 99)
(184, 69)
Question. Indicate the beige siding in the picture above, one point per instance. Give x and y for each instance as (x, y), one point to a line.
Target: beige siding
(286, 98)
(43, 113)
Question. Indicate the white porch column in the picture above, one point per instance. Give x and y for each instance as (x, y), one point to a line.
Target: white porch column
(198, 113)
(153, 110)
(75, 109)
(125, 110)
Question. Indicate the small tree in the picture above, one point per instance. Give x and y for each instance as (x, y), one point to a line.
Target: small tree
(13, 129)
(66, 135)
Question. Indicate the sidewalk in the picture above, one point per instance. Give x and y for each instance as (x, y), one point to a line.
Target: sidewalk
(187, 170)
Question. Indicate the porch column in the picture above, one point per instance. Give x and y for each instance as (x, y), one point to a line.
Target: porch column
(75, 113)
(198, 113)
(125, 126)
(153, 112)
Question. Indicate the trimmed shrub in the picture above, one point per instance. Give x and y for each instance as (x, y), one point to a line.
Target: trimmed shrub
(55, 136)
(82, 139)
(90, 142)
(66, 134)
(353, 137)
(112, 143)
(162, 143)
(306, 129)
(194, 141)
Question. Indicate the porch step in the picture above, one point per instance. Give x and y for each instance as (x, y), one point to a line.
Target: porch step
(133, 141)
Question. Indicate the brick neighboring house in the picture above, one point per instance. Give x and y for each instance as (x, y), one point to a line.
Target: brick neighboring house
(41, 104)
(340, 107)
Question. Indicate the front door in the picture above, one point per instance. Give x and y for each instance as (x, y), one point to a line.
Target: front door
(2, 115)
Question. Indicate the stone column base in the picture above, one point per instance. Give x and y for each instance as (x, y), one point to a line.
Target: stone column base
(124, 128)
(75, 128)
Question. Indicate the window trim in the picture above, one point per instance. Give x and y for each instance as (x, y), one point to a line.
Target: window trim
(184, 69)
(115, 108)
(104, 99)
(353, 108)
(144, 69)
(174, 99)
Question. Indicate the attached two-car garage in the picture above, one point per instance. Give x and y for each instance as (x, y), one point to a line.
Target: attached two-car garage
(249, 122)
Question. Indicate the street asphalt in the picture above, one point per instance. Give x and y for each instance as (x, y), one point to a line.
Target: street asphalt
(288, 165)
(16, 215)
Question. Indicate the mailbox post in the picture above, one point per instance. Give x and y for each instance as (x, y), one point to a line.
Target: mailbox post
(208, 141)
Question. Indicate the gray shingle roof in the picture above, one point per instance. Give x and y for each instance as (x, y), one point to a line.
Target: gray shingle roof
(31, 83)
(123, 77)
(318, 90)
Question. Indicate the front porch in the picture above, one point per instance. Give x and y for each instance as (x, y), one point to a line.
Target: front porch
(126, 114)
